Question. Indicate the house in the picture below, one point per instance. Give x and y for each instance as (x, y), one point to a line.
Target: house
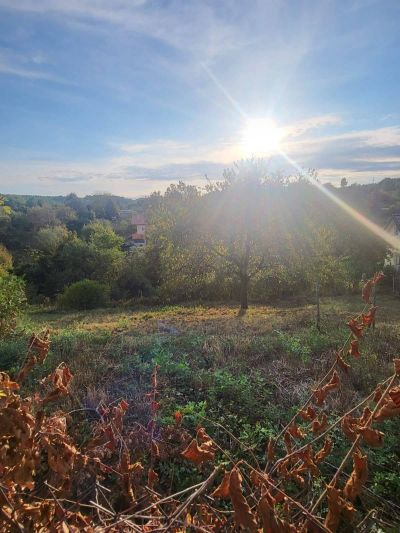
(138, 237)
(393, 227)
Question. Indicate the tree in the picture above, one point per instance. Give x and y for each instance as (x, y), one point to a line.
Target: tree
(343, 183)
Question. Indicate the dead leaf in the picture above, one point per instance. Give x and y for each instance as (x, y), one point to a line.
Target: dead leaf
(243, 515)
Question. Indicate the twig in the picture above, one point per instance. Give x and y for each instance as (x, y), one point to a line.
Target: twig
(294, 502)
(355, 443)
(204, 486)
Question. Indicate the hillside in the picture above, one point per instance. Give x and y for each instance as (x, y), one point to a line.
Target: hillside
(239, 378)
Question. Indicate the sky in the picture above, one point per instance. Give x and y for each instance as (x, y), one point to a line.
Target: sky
(128, 96)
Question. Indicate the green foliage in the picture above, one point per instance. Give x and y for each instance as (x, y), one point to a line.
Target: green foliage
(12, 302)
(252, 234)
(48, 240)
(132, 277)
(85, 294)
(5, 259)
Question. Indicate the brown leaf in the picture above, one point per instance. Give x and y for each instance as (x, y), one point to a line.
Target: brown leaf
(342, 363)
(367, 290)
(152, 478)
(296, 432)
(320, 424)
(395, 395)
(378, 276)
(324, 451)
(178, 418)
(356, 328)
(369, 318)
(198, 454)
(372, 437)
(349, 427)
(321, 393)
(202, 436)
(6, 384)
(288, 442)
(222, 491)
(271, 450)
(391, 405)
(388, 410)
(242, 512)
(338, 509)
(358, 476)
(354, 349)
(308, 414)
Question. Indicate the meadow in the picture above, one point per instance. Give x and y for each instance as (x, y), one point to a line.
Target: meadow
(239, 376)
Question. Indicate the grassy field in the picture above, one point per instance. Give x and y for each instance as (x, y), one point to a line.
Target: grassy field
(239, 374)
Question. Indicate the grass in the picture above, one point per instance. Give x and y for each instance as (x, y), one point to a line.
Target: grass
(246, 373)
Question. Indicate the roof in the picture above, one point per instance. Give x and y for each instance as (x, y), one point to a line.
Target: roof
(138, 218)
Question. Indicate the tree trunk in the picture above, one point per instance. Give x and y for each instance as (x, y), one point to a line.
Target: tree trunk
(244, 287)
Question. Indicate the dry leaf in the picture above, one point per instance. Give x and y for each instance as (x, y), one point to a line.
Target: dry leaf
(308, 414)
(358, 476)
(372, 437)
(354, 349)
(319, 424)
(356, 328)
(222, 491)
(338, 509)
(324, 451)
(321, 393)
(243, 515)
(198, 454)
(342, 363)
(369, 318)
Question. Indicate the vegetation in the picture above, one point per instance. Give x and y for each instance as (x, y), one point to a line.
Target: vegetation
(12, 301)
(148, 405)
(250, 236)
(85, 294)
(202, 380)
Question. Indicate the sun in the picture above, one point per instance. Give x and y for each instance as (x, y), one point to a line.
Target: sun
(261, 136)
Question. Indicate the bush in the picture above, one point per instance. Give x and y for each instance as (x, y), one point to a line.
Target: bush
(85, 294)
(12, 301)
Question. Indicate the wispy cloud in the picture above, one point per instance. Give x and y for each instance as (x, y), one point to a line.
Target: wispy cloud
(358, 155)
(23, 66)
(30, 74)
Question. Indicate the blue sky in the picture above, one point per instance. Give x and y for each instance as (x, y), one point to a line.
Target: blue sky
(127, 96)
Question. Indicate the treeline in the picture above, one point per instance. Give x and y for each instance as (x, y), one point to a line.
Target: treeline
(249, 236)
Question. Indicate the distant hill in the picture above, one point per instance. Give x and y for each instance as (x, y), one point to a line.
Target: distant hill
(30, 200)
(378, 201)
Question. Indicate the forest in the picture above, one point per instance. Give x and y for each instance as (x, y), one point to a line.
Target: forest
(260, 238)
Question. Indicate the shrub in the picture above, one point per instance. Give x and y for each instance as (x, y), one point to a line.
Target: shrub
(85, 294)
(12, 301)
(5, 259)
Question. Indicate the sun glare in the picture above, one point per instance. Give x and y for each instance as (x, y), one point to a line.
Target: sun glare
(261, 136)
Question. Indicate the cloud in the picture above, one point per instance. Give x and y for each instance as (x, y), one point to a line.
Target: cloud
(31, 74)
(15, 64)
(187, 26)
(140, 168)
(362, 155)
(301, 127)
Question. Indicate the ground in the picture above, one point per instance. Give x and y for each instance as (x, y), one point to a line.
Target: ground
(238, 375)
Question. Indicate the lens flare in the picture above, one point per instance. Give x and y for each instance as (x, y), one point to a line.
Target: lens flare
(261, 136)
(391, 240)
